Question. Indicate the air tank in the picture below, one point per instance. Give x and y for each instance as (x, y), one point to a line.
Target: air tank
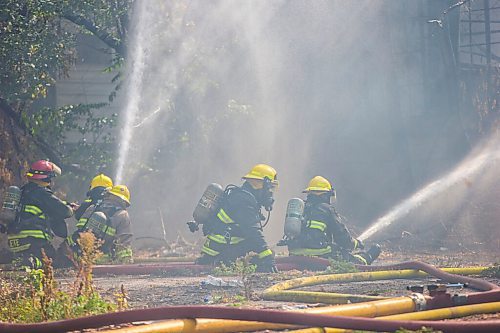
(96, 222)
(208, 203)
(293, 217)
(10, 204)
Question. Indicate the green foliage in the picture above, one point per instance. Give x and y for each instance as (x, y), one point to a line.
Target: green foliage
(37, 46)
(340, 266)
(34, 48)
(243, 268)
(236, 268)
(90, 131)
(36, 297)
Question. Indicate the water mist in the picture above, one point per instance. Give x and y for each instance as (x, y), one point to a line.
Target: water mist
(478, 161)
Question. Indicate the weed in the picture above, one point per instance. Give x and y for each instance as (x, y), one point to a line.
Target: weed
(36, 297)
(340, 266)
(243, 268)
(121, 299)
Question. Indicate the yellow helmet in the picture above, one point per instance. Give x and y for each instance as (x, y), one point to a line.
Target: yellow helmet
(101, 180)
(122, 192)
(262, 171)
(319, 185)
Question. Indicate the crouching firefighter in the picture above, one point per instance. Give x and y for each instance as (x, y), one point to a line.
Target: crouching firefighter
(98, 186)
(232, 219)
(314, 228)
(109, 221)
(41, 215)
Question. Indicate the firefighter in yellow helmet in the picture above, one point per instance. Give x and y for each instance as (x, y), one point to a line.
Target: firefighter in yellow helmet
(235, 229)
(98, 186)
(42, 215)
(109, 220)
(322, 232)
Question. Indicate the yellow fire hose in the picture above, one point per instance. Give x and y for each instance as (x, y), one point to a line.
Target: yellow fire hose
(368, 309)
(281, 290)
(377, 308)
(437, 314)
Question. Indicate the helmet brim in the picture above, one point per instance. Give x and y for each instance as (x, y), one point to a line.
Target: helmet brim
(121, 196)
(37, 176)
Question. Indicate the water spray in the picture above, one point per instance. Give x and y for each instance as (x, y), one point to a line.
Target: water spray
(133, 91)
(461, 173)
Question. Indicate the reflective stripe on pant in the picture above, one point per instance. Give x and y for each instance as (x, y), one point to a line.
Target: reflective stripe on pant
(310, 252)
(22, 241)
(208, 250)
(31, 256)
(215, 243)
(230, 252)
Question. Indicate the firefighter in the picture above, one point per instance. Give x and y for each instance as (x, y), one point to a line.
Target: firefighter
(42, 215)
(110, 222)
(98, 186)
(236, 228)
(322, 233)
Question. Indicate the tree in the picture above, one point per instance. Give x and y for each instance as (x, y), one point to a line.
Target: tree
(37, 46)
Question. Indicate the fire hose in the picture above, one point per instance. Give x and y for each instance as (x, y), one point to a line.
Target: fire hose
(296, 318)
(271, 316)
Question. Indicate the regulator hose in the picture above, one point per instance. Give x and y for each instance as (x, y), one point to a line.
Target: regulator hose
(270, 316)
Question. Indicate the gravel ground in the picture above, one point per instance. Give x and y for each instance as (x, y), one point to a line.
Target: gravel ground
(151, 291)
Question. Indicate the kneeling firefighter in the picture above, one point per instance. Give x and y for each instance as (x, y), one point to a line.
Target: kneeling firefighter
(98, 186)
(232, 219)
(39, 215)
(109, 221)
(314, 228)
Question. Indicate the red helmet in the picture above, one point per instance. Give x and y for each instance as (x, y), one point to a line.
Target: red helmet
(43, 170)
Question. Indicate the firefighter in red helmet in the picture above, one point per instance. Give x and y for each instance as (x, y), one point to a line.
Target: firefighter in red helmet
(41, 216)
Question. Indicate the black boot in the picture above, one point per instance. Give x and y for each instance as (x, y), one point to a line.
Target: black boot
(373, 253)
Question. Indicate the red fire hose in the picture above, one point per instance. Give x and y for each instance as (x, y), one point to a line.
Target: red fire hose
(284, 264)
(271, 316)
(492, 293)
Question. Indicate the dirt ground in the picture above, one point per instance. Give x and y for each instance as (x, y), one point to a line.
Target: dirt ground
(153, 291)
(145, 291)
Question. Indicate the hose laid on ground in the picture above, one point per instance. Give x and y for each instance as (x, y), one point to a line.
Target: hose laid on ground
(367, 309)
(281, 290)
(437, 314)
(284, 317)
(181, 267)
(223, 312)
(173, 268)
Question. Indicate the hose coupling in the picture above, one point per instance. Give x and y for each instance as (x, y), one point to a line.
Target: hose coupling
(419, 300)
(459, 299)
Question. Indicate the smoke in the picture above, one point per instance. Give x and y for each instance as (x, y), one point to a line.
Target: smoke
(327, 88)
